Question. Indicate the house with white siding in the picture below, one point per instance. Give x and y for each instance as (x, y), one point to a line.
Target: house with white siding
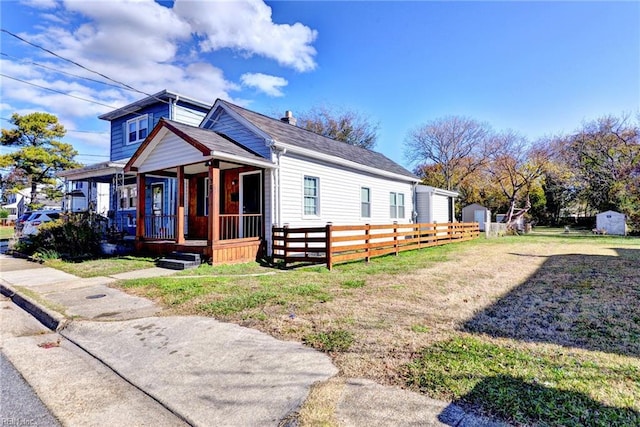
(238, 173)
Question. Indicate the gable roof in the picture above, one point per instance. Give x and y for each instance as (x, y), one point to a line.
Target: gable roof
(162, 96)
(208, 142)
(295, 136)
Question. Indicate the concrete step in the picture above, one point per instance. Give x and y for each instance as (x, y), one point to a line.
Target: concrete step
(176, 264)
(186, 256)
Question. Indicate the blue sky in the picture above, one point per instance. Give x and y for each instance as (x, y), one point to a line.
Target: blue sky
(540, 68)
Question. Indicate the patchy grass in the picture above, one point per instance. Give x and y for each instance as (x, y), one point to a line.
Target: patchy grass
(528, 386)
(337, 340)
(6, 232)
(227, 270)
(101, 266)
(569, 301)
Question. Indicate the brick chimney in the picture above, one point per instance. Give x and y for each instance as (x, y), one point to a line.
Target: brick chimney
(288, 118)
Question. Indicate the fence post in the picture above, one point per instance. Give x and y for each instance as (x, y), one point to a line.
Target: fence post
(395, 236)
(285, 241)
(367, 237)
(328, 248)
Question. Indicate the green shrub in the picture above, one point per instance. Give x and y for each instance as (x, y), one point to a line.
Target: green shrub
(72, 236)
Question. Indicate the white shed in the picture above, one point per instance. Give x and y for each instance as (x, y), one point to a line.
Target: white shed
(612, 222)
(476, 213)
(434, 205)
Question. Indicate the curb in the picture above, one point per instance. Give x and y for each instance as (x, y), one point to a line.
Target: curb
(49, 318)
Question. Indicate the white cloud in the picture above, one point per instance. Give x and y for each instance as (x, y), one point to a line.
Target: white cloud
(246, 25)
(40, 4)
(265, 83)
(150, 47)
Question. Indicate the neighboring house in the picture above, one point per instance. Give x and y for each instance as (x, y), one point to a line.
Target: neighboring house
(435, 205)
(84, 196)
(476, 213)
(611, 222)
(130, 125)
(228, 181)
(17, 203)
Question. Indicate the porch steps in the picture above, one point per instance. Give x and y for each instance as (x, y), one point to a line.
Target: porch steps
(180, 261)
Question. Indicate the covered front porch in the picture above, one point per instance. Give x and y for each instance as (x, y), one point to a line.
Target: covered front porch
(214, 206)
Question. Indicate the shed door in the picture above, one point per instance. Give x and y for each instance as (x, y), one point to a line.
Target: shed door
(478, 216)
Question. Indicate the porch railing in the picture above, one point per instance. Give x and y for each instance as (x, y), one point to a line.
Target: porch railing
(232, 226)
(160, 227)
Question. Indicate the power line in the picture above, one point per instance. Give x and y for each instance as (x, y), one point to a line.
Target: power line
(56, 91)
(93, 71)
(64, 72)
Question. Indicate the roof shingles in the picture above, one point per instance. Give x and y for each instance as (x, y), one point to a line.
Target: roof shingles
(299, 137)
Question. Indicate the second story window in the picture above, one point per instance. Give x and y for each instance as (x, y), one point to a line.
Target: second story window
(137, 129)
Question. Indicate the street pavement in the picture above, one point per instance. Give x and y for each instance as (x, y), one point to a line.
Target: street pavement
(19, 404)
(111, 359)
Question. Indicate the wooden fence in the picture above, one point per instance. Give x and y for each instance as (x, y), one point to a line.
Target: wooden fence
(339, 243)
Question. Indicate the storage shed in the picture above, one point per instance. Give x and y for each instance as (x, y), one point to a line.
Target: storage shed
(434, 205)
(476, 213)
(611, 222)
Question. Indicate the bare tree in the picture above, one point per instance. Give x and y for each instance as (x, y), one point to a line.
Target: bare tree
(514, 166)
(457, 145)
(342, 125)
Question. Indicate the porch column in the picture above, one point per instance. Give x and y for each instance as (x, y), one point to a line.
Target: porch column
(213, 222)
(141, 206)
(180, 207)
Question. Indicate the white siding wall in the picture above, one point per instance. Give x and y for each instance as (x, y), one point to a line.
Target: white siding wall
(187, 116)
(440, 208)
(171, 151)
(339, 194)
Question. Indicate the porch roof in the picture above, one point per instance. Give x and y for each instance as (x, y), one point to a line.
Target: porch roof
(209, 143)
(101, 172)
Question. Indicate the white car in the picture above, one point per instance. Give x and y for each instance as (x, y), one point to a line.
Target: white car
(38, 217)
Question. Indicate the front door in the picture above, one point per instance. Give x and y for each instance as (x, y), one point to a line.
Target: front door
(158, 226)
(250, 204)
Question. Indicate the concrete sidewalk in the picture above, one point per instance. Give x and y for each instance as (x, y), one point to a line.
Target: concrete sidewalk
(203, 371)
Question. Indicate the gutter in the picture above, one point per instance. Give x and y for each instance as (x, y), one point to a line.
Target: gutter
(343, 162)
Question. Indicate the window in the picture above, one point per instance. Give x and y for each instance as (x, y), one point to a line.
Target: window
(365, 202)
(137, 129)
(128, 197)
(311, 195)
(396, 205)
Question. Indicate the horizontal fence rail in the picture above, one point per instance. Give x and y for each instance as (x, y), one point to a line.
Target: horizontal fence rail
(340, 243)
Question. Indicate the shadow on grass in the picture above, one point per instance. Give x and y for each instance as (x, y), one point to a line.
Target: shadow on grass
(524, 403)
(586, 301)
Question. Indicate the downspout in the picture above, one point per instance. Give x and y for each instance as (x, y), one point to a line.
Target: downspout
(414, 203)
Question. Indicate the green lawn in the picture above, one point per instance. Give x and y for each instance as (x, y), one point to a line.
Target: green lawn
(101, 266)
(542, 329)
(6, 232)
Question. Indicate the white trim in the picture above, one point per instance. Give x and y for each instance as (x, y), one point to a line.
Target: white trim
(241, 199)
(397, 205)
(317, 197)
(242, 160)
(162, 207)
(137, 120)
(370, 202)
(343, 162)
